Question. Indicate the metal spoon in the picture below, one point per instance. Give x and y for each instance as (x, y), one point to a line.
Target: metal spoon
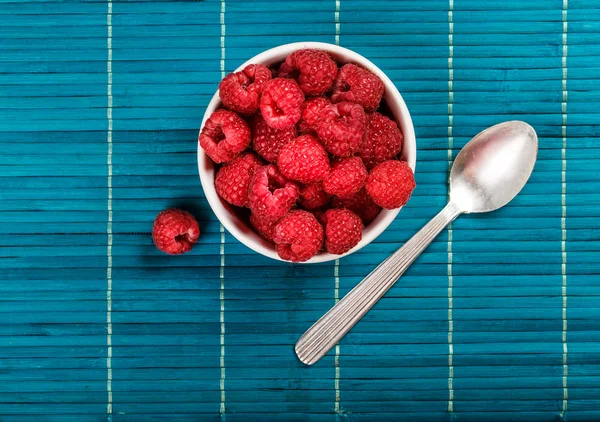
(486, 175)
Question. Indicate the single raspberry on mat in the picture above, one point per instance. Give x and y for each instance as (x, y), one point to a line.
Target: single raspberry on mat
(383, 140)
(241, 91)
(298, 236)
(304, 159)
(175, 231)
(313, 196)
(347, 177)
(233, 179)
(310, 119)
(280, 103)
(266, 141)
(357, 85)
(390, 184)
(360, 203)
(342, 128)
(264, 228)
(270, 195)
(224, 136)
(314, 70)
(343, 230)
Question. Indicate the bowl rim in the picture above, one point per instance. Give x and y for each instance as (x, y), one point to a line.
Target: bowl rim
(401, 116)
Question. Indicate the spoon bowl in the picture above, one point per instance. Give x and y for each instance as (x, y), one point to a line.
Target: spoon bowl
(493, 167)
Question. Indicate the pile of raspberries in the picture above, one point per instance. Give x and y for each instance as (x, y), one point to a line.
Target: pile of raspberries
(302, 146)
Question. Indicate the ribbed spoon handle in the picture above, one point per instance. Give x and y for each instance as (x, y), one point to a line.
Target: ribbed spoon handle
(327, 331)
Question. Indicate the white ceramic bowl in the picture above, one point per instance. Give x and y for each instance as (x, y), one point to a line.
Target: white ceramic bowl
(227, 215)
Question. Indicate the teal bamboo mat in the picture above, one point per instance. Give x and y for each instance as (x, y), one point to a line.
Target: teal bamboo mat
(100, 104)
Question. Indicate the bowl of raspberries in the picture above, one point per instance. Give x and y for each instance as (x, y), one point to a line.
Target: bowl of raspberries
(307, 152)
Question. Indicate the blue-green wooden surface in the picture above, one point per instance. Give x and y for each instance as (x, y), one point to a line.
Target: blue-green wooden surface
(525, 281)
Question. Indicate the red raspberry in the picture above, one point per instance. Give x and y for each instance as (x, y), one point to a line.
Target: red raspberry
(343, 230)
(224, 136)
(390, 184)
(304, 159)
(280, 103)
(360, 203)
(347, 176)
(175, 231)
(264, 228)
(314, 70)
(313, 196)
(382, 141)
(233, 179)
(311, 109)
(298, 236)
(342, 128)
(267, 142)
(241, 91)
(357, 85)
(270, 195)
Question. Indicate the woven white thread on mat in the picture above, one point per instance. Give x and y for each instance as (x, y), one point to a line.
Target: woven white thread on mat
(449, 249)
(563, 220)
(336, 270)
(222, 245)
(109, 233)
(336, 276)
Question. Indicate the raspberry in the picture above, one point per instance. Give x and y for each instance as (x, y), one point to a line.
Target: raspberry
(347, 176)
(360, 203)
(314, 70)
(268, 141)
(233, 179)
(313, 196)
(304, 159)
(311, 109)
(382, 141)
(224, 136)
(357, 85)
(390, 184)
(270, 195)
(241, 91)
(343, 230)
(175, 231)
(298, 236)
(280, 103)
(342, 128)
(264, 228)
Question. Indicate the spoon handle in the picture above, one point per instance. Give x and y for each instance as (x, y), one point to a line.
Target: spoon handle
(327, 331)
